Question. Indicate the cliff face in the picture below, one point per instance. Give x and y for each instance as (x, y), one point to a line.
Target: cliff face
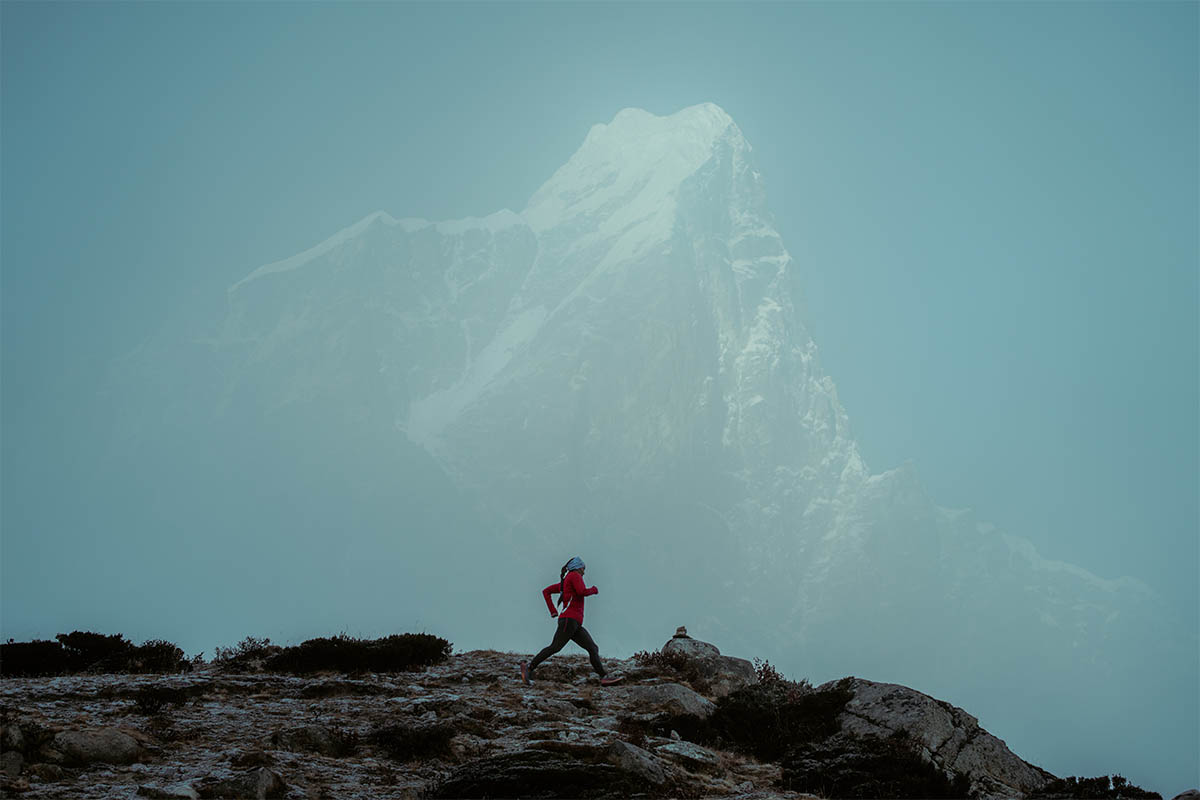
(622, 369)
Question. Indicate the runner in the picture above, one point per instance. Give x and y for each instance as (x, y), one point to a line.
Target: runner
(571, 592)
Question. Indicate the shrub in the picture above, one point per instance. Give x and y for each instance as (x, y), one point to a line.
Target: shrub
(765, 719)
(864, 767)
(407, 742)
(1100, 788)
(85, 651)
(32, 659)
(153, 699)
(689, 727)
(156, 655)
(247, 655)
(88, 651)
(407, 652)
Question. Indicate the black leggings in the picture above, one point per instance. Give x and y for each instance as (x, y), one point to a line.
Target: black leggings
(570, 630)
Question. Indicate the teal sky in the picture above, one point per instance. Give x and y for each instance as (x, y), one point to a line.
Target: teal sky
(993, 207)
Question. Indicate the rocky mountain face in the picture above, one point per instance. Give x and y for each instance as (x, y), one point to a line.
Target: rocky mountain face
(621, 369)
(464, 728)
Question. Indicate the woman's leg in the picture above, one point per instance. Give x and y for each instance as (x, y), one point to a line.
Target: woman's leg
(584, 640)
(561, 637)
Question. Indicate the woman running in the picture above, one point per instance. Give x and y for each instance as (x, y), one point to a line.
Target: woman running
(571, 591)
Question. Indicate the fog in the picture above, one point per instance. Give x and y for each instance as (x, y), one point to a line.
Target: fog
(991, 217)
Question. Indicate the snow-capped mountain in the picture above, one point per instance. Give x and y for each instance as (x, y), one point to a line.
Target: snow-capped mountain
(621, 369)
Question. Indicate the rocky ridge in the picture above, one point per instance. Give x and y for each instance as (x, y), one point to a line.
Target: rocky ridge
(472, 728)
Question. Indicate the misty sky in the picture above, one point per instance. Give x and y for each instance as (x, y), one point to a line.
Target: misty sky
(993, 208)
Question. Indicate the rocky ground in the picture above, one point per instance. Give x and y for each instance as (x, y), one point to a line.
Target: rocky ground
(306, 737)
(465, 728)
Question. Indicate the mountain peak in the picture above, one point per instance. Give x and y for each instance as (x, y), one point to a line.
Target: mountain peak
(636, 160)
(704, 122)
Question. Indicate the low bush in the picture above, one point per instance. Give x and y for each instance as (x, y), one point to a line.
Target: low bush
(156, 655)
(32, 659)
(248, 655)
(88, 651)
(407, 652)
(690, 727)
(767, 718)
(408, 742)
(85, 651)
(1099, 788)
(153, 699)
(867, 767)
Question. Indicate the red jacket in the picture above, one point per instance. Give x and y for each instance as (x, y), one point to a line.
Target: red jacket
(573, 590)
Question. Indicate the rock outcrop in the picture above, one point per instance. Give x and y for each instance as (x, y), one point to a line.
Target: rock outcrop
(948, 736)
(723, 674)
(670, 698)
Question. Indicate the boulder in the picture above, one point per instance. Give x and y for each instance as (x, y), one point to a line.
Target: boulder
(671, 698)
(690, 755)
(635, 760)
(259, 783)
(950, 737)
(730, 674)
(1190, 794)
(691, 648)
(107, 745)
(724, 674)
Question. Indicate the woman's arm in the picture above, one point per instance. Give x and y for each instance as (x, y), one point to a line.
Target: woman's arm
(553, 588)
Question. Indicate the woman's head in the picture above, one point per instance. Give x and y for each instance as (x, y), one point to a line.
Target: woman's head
(575, 564)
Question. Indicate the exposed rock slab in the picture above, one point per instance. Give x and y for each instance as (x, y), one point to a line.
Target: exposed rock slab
(178, 791)
(950, 736)
(690, 755)
(671, 698)
(637, 761)
(553, 739)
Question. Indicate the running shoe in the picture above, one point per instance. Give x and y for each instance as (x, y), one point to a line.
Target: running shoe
(607, 681)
